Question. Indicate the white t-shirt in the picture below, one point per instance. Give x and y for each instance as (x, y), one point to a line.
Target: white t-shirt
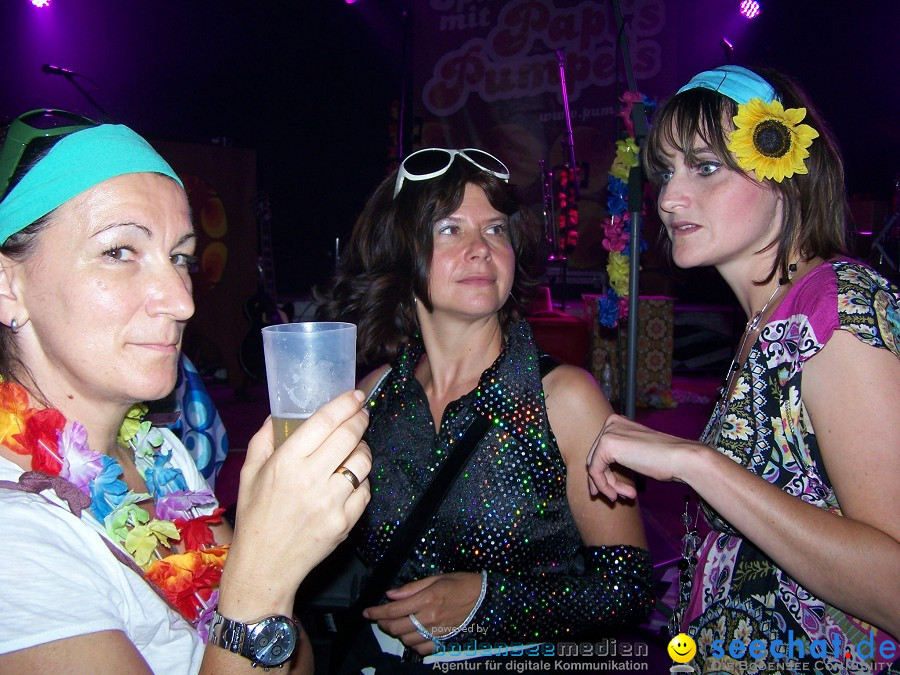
(58, 579)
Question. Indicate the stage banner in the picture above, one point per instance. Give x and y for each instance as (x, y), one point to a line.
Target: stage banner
(487, 74)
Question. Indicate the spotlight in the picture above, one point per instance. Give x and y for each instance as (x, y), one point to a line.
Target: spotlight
(40, 3)
(749, 9)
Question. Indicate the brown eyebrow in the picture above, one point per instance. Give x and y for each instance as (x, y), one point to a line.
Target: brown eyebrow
(188, 236)
(113, 226)
(703, 149)
(146, 230)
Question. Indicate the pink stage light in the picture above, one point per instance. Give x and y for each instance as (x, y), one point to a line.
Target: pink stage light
(40, 3)
(749, 9)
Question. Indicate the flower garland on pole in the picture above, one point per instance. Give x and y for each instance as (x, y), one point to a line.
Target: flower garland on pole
(616, 226)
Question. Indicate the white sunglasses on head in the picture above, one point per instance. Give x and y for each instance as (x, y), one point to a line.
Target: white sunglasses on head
(433, 162)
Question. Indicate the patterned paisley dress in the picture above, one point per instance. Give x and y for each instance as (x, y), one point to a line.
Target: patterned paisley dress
(738, 593)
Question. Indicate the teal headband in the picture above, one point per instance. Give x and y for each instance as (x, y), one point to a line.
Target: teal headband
(735, 82)
(77, 163)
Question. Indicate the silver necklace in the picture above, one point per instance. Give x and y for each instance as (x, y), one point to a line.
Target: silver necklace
(752, 325)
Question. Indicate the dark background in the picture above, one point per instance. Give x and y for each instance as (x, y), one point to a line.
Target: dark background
(309, 86)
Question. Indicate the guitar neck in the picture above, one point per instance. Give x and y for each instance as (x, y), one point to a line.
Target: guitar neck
(266, 256)
(266, 263)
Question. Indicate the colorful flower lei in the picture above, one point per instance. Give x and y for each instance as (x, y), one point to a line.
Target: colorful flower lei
(770, 140)
(616, 227)
(189, 578)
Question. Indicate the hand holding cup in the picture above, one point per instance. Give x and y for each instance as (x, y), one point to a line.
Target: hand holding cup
(295, 506)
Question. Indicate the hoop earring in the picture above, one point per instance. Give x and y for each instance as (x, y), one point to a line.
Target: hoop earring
(14, 326)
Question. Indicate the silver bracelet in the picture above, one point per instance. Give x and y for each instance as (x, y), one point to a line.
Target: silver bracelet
(424, 632)
(461, 627)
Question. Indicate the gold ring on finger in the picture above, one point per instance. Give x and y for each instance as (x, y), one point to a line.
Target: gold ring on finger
(349, 475)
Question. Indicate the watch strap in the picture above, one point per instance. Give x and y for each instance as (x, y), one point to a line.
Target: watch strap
(233, 636)
(227, 633)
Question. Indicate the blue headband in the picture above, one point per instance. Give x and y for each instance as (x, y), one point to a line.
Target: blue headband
(735, 82)
(77, 163)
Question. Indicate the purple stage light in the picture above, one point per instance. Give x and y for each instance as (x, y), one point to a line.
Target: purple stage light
(40, 3)
(749, 9)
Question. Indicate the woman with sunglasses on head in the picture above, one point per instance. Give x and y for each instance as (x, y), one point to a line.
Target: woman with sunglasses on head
(113, 553)
(518, 553)
(798, 467)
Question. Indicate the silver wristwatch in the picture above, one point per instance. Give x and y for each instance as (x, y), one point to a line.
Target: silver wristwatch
(268, 643)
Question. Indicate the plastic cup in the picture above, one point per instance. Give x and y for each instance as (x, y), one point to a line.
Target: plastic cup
(307, 365)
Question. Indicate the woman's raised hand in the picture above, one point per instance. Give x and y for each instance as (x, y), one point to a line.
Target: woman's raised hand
(296, 503)
(626, 443)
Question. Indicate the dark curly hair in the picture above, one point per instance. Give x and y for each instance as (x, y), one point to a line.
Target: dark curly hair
(815, 203)
(388, 258)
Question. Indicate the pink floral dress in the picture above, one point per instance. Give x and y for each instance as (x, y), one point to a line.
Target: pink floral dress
(738, 592)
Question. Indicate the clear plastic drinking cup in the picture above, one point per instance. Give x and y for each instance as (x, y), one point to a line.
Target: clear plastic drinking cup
(307, 365)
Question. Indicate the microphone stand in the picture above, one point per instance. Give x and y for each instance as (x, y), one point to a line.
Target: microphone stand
(405, 121)
(635, 205)
(728, 48)
(549, 211)
(70, 77)
(569, 142)
(877, 244)
(569, 149)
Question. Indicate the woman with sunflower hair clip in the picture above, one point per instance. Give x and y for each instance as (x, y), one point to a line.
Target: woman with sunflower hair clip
(798, 467)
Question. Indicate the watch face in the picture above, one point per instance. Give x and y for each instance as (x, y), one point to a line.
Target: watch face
(272, 641)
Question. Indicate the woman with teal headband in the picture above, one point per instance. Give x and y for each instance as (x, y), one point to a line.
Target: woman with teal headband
(798, 468)
(113, 553)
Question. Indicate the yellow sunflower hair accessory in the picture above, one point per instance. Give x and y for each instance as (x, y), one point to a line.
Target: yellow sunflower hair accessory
(770, 140)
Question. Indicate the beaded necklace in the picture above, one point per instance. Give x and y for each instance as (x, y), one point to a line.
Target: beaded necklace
(188, 577)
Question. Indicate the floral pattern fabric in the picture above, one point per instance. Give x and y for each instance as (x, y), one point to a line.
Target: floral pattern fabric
(738, 592)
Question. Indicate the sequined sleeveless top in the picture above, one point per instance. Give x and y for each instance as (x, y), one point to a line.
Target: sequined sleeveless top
(507, 511)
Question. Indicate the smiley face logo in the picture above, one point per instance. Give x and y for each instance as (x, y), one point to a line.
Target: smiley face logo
(682, 648)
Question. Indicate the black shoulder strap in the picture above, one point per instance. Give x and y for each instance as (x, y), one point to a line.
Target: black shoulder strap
(547, 364)
(414, 525)
(386, 569)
